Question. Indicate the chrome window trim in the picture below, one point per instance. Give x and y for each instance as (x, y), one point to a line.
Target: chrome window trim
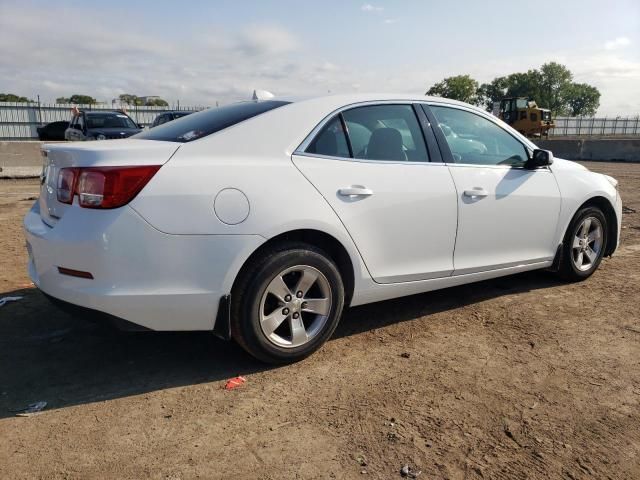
(365, 160)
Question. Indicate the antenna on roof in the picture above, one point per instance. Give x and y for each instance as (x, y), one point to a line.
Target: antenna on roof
(261, 95)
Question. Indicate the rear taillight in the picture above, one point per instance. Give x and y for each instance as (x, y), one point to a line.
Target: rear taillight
(103, 187)
(67, 184)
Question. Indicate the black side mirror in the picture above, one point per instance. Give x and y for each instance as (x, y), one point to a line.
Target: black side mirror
(140, 126)
(539, 159)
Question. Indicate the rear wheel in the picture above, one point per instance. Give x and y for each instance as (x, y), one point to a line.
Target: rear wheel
(287, 303)
(584, 244)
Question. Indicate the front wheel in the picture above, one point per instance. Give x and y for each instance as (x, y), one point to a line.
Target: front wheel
(584, 244)
(287, 304)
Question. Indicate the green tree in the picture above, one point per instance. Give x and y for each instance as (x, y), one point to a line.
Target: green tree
(582, 99)
(492, 92)
(157, 102)
(130, 99)
(10, 97)
(555, 88)
(460, 87)
(551, 87)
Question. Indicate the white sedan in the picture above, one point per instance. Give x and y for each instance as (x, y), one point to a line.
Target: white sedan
(261, 221)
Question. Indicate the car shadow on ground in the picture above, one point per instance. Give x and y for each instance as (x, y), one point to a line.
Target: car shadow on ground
(47, 355)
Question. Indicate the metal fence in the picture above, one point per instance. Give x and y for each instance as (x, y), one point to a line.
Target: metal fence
(596, 126)
(19, 121)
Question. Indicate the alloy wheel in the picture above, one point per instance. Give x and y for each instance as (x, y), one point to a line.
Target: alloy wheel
(295, 306)
(587, 243)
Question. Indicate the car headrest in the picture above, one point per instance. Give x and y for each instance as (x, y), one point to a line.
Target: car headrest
(386, 144)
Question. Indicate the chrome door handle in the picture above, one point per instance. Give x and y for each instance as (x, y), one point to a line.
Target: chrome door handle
(476, 193)
(355, 191)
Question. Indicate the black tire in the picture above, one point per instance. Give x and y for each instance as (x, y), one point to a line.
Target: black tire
(568, 269)
(249, 293)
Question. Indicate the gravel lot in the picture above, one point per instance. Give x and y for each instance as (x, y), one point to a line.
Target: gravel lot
(520, 377)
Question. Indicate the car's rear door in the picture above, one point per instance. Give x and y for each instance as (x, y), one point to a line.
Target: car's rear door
(395, 197)
(507, 214)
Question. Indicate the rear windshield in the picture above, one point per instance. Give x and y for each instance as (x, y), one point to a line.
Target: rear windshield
(201, 124)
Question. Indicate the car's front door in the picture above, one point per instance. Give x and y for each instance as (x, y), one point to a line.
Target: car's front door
(507, 215)
(372, 166)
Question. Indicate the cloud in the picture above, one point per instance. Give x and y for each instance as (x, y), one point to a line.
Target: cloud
(389, 21)
(266, 40)
(367, 7)
(93, 53)
(618, 43)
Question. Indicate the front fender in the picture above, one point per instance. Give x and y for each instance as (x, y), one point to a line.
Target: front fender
(578, 186)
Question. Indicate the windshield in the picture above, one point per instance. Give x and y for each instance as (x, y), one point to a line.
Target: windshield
(206, 122)
(117, 120)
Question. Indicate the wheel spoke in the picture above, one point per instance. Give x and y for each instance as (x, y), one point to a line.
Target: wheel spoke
(586, 225)
(580, 259)
(298, 332)
(278, 288)
(271, 322)
(576, 242)
(591, 255)
(595, 235)
(307, 279)
(321, 306)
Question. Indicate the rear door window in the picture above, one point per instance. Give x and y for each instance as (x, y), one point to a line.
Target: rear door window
(386, 132)
(331, 141)
(200, 124)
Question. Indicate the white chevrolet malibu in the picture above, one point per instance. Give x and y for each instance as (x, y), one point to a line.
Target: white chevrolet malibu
(261, 221)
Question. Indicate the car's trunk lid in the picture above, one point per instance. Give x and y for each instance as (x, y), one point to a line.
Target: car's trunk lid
(108, 153)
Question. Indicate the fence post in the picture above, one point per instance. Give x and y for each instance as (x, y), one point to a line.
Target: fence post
(579, 126)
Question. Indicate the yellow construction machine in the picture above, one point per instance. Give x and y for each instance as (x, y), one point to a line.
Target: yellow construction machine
(524, 115)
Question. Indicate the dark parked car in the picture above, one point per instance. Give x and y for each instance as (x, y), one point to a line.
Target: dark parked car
(53, 131)
(101, 125)
(168, 116)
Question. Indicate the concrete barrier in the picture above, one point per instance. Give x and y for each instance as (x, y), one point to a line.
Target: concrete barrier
(601, 149)
(20, 159)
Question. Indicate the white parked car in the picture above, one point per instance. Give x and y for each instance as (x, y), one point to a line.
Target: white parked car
(262, 220)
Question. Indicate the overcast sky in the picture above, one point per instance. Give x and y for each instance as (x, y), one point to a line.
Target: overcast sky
(201, 52)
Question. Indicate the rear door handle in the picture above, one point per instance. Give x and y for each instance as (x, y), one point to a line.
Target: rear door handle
(355, 191)
(476, 192)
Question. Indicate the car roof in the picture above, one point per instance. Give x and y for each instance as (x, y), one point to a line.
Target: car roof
(103, 112)
(333, 101)
(348, 98)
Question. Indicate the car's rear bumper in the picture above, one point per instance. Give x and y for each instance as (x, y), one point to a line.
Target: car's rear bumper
(96, 316)
(141, 275)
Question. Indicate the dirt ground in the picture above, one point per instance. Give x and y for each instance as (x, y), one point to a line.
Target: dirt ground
(519, 377)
